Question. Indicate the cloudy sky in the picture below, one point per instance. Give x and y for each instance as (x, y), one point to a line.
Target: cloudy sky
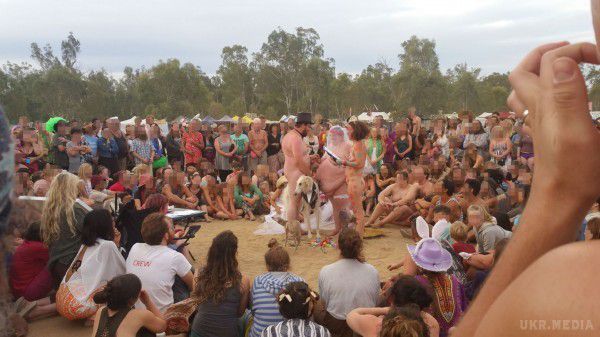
(491, 34)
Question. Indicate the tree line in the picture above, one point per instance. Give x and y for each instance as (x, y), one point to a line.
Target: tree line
(289, 73)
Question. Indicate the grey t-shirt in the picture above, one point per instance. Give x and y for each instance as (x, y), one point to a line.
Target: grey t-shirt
(488, 235)
(348, 284)
(74, 161)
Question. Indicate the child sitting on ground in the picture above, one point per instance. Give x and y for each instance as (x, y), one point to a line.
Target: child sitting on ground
(265, 206)
(458, 233)
(369, 194)
(261, 174)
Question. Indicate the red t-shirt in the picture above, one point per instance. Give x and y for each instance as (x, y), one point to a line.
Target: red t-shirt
(117, 187)
(29, 259)
(463, 247)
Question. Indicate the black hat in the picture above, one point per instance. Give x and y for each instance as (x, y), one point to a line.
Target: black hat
(304, 118)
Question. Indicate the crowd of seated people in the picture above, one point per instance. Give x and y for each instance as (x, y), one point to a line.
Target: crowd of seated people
(468, 180)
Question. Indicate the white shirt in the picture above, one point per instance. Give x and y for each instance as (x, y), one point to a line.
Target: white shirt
(348, 284)
(156, 266)
(99, 264)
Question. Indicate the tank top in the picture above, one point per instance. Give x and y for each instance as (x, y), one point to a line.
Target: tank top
(108, 326)
(402, 144)
(218, 319)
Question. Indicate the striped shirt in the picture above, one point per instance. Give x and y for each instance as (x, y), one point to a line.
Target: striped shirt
(264, 304)
(296, 328)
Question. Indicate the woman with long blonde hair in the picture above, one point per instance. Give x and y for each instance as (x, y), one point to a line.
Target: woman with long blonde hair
(62, 220)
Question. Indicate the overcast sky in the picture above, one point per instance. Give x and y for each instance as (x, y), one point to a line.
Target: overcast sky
(491, 34)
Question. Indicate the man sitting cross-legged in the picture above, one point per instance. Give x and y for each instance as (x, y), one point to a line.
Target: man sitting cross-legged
(394, 203)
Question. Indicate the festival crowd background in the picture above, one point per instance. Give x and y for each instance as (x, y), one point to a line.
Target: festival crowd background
(472, 180)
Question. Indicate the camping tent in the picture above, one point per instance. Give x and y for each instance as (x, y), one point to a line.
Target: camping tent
(370, 116)
(208, 120)
(245, 119)
(226, 119)
(285, 118)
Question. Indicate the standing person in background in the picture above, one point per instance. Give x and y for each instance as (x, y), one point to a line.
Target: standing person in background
(274, 148)
(173, 146)
(258, 144)
(115, 128)
(225, 148)
(477, 136)
(59, 145)
(349, 275)
(193, 144)
(157, 141)
(241, 141)
(142, 149)
(108, 151)
(148, 125)
(375, 150)
(76, 150)
(29, 152)
(90, 135)
(414, 121)
(45, 141)
(312, 142)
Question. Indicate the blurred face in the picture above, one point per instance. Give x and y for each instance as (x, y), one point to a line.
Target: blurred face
(29, 136)
(475, 219)
(237, 129)
(303, 129)
(196, 179)
(167, 174)
(246, 180)
(419, 174)
(475, 127)
(485, 189)
(149, 120)
(384, 171)
(222, 130)
(457, 175)
(76, 138)
(374, 132)
(256, 124)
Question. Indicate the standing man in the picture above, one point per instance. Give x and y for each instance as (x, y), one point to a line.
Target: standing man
(415, 121)
(59, 146)
(114, 125)
(297, 162)
(258, 144)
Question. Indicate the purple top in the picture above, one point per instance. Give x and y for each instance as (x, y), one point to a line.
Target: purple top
(389, 150)
(449, 300)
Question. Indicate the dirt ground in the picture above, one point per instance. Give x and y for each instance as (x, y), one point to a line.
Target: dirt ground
(306, 261)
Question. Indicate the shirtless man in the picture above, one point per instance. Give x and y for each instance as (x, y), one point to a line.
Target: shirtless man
(297, 163)
(470, 195)
(415, 121)
(394, 201)
(425, 186)
(258, 145)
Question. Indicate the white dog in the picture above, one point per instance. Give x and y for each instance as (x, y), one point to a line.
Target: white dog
(308, 191)
(310, 202)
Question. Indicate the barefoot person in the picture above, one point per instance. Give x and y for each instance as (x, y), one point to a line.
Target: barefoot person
(358, 131)
(297, 161)
(393, 202)
(331, 177)
(258, 145)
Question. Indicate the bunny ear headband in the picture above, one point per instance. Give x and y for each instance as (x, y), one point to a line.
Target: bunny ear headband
(289, 298)
(438, 230)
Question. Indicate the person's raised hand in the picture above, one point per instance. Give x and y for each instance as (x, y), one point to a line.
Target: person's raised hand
(549, 83)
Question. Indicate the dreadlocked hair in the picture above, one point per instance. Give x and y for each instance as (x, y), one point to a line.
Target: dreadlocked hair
(221, 271)
(405, 321)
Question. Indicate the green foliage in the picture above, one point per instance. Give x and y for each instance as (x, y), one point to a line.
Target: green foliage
(288, 74)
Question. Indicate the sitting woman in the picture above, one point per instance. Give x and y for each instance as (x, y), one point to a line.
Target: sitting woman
(212, 197)
(222, 290)
(144, 190)
(384, 178)
(84, 277)
(178, 193)
(196, 182)
(129, 221)
(296, 304)
(349, 275)
(119, 318)
(266, 288)
(247, 196)
(405, 293)
(30, 280)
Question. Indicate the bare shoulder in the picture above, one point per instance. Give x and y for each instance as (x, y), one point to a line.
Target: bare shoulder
(555, 296)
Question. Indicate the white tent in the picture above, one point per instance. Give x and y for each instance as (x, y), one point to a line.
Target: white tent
(370, 116)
